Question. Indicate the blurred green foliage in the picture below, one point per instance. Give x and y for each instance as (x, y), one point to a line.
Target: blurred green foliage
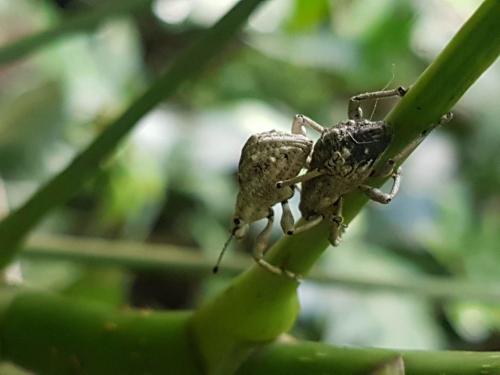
(174, 181)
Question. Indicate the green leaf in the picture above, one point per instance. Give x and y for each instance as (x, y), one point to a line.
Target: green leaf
(60, 188)
(86, 21)
(308, 14)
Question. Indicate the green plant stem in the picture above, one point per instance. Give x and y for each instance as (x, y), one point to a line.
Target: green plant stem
(49, 334)
(83, 22)
(53, 335)
(305, 358)
(190, 263)
(183, 261)
(59, 189)
(472, 50)
(258, 306)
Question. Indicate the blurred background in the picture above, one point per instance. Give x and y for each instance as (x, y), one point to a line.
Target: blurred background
(173, 182)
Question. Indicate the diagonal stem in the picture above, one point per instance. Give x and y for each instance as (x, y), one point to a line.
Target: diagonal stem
(85, 21)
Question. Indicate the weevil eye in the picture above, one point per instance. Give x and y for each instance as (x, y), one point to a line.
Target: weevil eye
(236, 221)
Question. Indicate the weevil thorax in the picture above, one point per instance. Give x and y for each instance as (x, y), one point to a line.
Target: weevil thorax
(267, 158)
(347, 152)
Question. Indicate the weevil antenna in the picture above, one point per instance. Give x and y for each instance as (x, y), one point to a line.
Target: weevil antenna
(228, 241)
(384, 88)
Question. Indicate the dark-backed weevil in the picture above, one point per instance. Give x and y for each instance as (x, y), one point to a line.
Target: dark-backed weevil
(265, 159)
(342, 161)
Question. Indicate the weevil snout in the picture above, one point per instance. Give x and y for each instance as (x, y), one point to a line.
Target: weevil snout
(240, 229)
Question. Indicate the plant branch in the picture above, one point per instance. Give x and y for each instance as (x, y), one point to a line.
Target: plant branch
(191, 263)
(304, 358)
(48, 334)
(85, 21)
(53, 335)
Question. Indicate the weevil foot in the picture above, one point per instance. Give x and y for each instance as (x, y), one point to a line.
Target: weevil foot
(292, 275)
(278, 271)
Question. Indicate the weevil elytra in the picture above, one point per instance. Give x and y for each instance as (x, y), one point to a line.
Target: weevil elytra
(265, 159)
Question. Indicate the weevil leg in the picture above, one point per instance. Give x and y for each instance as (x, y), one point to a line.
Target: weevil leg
(308, 225)
(338, 226)
(388, 168)
(443, 120)
(308, 161)
(301, 178)
(446, 118)
(268, 266)
(378, 195)
(300, 122)
(263, 238)
(354, 111)
(261, 245)
(287, 221)
(394, 366)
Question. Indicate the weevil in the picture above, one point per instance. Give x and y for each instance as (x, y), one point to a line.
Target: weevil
(342, 161)
(265, 159)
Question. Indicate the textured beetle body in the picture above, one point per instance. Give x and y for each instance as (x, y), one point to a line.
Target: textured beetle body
(346, 154)
(265, 159)
(342, 161)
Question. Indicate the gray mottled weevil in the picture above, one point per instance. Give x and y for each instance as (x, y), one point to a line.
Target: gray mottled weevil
(342, 161)
(265, 159)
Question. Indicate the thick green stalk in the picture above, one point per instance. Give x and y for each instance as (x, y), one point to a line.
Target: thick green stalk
(191, 263)
(258, 306)
(59, 189)
(305, 358)
(85, 21)
(54, 335)
(57, 336)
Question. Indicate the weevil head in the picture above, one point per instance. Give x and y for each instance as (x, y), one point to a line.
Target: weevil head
(249, 207)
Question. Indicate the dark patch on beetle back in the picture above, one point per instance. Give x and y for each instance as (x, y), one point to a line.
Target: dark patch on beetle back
(356, 144)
